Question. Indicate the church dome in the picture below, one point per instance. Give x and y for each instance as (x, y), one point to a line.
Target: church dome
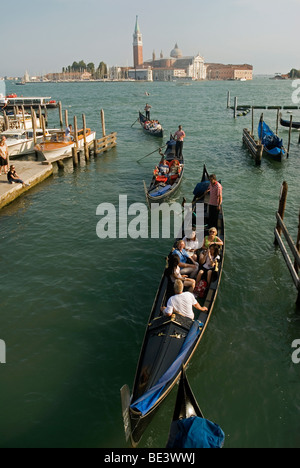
(176, 52)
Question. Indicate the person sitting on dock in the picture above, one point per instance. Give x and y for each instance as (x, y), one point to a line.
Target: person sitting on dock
(13, 177)
(3, 155)
(188, 266)
(182, 303)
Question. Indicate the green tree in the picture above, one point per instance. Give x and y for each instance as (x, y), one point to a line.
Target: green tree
(91, 68)
(294, 73)
(102, 70)
(82, 65)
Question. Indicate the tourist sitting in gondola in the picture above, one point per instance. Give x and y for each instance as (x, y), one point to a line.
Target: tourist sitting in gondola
(173, 272)
(182, 303)
(211, 263)
(212, 238)
(188, 266)
(191, 245)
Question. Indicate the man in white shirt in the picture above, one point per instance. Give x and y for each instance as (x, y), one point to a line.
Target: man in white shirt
(183, 302)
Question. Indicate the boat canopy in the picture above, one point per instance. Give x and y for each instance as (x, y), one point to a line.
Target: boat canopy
(149, 399)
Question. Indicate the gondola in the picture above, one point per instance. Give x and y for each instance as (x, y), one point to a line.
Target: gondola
(150, 128)
(189, 428)
(162, 185)
(273, 145)
(287, 123)
(169, 342)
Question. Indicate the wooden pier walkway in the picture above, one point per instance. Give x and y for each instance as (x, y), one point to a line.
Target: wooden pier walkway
(34, 172)
(31, 172)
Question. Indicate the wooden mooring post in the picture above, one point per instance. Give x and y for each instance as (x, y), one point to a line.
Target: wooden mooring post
(107, 141)
(75, 147)
(294, 248)
(228, 100)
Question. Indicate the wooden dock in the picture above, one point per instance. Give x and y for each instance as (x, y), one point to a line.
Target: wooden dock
(294, 247)
(254, 146)
(31, 172)
(34, 172)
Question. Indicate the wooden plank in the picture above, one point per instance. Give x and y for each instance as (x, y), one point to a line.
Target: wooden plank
(111, 135)
(105, 148)
(287, 260)
(289, 240)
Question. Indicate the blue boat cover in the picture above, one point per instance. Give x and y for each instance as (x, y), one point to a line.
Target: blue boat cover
(272, 143)
(149, 399)
(201, 188)
(161, 191)
(197, 433)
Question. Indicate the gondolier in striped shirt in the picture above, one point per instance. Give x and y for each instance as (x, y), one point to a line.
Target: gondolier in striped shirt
(215, 201)
(147, 110)
(179, 137)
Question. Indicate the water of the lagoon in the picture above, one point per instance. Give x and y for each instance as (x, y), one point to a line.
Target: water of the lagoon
(74, 307)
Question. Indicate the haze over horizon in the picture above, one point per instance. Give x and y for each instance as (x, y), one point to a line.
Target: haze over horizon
(263, 33)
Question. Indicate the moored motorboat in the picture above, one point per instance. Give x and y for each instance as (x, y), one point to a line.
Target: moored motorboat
(170, 341)
(57, 146)
(20, 141)
(151, 127)
(12, 100)
(167, 176)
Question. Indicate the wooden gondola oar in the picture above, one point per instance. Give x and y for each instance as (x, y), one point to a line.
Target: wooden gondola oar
(151, 153)
(135, 122)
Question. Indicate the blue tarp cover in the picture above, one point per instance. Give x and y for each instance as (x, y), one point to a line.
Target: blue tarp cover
(148, 400)
(201, 188)
(272, 143)
(198, 433)
(161, 191)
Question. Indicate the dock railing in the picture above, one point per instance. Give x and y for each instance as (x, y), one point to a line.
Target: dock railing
(294, 248)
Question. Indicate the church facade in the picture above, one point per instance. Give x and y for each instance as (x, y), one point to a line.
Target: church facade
(180, 67)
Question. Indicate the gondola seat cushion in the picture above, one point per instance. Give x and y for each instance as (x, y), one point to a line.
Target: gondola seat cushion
(163, 179)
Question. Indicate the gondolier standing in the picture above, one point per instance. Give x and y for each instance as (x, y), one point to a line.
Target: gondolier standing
(179, 137)
(215, 201)
(147, 110)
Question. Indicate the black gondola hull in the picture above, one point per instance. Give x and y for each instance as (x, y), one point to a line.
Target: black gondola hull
(165, 337)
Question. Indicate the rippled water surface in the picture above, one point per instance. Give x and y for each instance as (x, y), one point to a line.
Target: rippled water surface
(73, 308)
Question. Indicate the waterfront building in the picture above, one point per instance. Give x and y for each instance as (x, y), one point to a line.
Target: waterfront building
(218, 71)
(141, 74)
(177, 66)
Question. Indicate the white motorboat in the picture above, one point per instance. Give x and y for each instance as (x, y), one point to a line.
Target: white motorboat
(35, 102)
(56, 146)
(20, 141)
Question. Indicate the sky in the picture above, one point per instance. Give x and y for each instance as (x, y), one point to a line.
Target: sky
(42, 36)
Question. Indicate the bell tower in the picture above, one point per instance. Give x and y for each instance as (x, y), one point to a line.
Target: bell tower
(137, 46)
